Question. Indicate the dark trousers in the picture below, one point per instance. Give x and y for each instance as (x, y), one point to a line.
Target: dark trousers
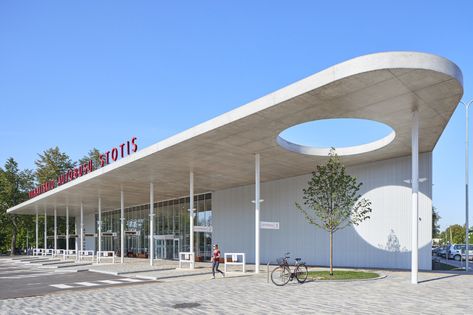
(215, 265)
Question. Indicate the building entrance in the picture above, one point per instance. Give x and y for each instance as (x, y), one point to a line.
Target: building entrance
(134, 247)
(171, 229)
(167, 248)
(203, 246)
(109, 242)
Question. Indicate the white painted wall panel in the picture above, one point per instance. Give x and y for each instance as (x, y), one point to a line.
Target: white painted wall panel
(384, 241)
(89, 227)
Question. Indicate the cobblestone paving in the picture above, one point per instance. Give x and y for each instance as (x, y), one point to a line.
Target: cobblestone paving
(437, 294)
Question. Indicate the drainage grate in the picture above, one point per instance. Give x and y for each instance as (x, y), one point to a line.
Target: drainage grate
(185, 305)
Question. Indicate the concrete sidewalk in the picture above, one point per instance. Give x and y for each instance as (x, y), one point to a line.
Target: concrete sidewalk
(437, 293)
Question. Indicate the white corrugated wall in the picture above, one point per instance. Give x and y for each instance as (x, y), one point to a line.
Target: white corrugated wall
(384, 241)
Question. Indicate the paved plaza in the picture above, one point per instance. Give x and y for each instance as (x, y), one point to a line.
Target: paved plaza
(196, 293)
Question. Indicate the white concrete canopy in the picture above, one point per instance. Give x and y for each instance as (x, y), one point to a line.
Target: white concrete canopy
(384, 87)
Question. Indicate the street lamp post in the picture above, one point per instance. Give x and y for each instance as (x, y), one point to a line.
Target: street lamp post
(467, 245)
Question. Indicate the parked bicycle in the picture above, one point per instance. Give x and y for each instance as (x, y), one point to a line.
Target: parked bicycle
(282, 274)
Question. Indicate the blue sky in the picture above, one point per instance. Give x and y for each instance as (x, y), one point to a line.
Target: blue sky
(93, 73)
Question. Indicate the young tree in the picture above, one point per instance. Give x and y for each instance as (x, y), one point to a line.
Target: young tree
(332, 201)
(51, 164)
(93, 155)
(14, 187)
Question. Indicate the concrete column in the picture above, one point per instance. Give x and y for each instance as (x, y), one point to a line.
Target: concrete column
(100, 227)
(55, 229)
(81, 226)
(36, 230)
(415, 197)
(122, 227)
(76, 239)
(257, 212)
(45, 230)
(467, 222)
(151, 223)
(191, 212)
(67, 227)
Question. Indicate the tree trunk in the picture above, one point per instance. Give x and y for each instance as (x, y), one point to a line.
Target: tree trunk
(331, 253)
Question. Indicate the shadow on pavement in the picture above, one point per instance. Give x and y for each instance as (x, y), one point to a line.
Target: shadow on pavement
(439, 278)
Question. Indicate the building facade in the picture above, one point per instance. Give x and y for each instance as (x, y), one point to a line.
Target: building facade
(234, 180)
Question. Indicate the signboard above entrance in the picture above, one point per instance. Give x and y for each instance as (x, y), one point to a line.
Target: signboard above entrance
(122, 150)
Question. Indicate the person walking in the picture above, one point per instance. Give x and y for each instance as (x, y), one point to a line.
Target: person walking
(216, 261)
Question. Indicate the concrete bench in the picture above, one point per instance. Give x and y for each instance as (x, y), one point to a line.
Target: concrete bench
(187, 258)
(237, 259)
(105, 255)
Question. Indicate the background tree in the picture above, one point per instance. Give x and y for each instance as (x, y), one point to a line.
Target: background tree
(332, 200)
(435, 223)
(51, 164)
(455, 234)
(93, 155)
(14, 187)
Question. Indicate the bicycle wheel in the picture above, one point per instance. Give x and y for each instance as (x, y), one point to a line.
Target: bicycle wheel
(280, 275)
(301, 273)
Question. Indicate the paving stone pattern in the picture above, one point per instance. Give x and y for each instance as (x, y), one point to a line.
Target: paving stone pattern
(438, 294)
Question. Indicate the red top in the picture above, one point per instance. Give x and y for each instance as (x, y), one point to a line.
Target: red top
(216, 254)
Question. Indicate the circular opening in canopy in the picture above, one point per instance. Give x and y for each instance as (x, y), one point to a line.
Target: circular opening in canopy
(349, 136)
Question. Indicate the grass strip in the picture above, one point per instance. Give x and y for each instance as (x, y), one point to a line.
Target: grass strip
(342, 275)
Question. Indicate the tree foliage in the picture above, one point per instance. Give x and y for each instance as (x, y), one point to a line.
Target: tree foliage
(455, 234)
(51, 164)
(94, 155)
(331, 200)
(435, 223)
(14, 187)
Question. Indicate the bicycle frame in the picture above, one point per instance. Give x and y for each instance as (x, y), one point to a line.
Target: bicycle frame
(285, 263)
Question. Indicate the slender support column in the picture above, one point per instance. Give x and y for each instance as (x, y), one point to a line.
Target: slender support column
(55, 229)
(67, 228)
(151, 223)
(415, 197)
(191, 212)
(467, 223)
(257, 212)
(81, 226)
(45, 230)
(122, 227)
(76, 239)
(36, 230)
(100, 227)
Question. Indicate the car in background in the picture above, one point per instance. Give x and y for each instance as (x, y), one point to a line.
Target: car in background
(457, 251)
(442, 251)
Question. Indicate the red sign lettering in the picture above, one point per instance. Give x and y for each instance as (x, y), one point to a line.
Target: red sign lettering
(85, 168)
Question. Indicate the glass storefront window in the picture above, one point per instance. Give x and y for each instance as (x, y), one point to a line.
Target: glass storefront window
(171, 228)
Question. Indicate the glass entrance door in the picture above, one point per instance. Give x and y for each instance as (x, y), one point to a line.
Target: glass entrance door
(107, 243)
(203, 246)
(167, 248)
(160, 246)
(176, 249)
(132, 245)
